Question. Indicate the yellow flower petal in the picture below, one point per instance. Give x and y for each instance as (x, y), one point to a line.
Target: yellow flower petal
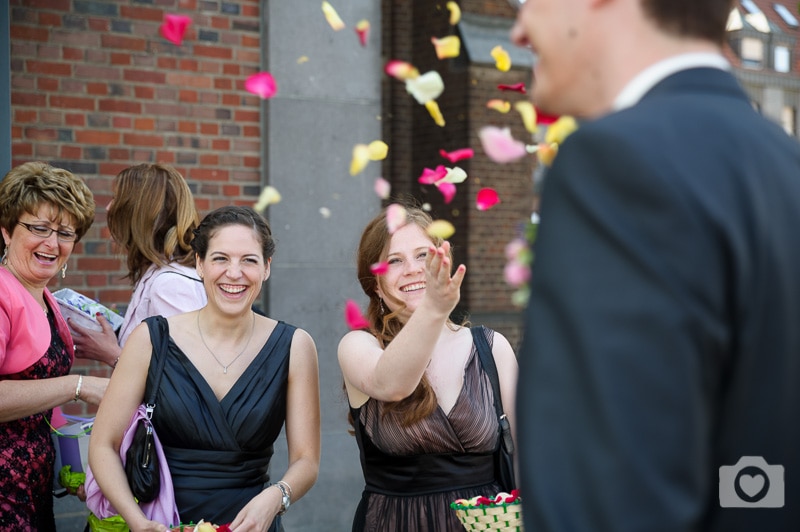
(447, 47)
(441, 229)
(455, 175)
(377, 150)
(528, 114)
(269, 196)
(547, 153)
(500, 106)
(501, 58)
(436, 114)
(360, 158)
(559, 130)
(302, 59)
(332, 17)
(455, 13)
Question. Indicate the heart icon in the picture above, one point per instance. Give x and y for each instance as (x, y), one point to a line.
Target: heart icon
(751, 484)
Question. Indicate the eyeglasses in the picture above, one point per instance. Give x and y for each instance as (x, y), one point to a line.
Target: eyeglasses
(516, 4)
(42, 231)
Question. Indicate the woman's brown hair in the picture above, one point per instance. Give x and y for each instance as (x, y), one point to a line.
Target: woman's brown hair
(152, 217)
(373, 248)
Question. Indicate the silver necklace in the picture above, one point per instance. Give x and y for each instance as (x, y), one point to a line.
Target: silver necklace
(225, 367)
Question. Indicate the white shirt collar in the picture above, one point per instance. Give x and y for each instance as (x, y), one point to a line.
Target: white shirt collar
(650, 76)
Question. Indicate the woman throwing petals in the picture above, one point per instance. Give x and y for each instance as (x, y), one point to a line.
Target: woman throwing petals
(421, 404)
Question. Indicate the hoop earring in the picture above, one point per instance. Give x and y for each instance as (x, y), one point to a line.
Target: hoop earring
(64, 270)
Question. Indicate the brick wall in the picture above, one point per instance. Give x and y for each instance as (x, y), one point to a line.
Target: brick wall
(95, 88)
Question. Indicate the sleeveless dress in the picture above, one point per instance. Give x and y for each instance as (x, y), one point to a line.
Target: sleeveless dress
(218, 452)
(413, 473)
(27, 453)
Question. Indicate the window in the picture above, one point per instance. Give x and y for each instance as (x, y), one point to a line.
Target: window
(752, 52)
(750, 7)
(786, 15)
(781, 59)
(789, 119)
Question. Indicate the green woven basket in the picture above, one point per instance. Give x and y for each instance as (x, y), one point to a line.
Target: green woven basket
(505, 517)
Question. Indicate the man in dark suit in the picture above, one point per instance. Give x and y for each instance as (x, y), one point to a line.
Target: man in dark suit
(660, 370)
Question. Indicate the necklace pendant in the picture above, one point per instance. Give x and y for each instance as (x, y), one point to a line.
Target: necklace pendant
(225, 370)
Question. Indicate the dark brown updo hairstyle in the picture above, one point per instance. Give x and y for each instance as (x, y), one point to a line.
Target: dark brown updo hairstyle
(233, 215)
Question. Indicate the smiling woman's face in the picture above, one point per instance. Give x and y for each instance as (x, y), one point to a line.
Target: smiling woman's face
(35, 260)
(404, 282)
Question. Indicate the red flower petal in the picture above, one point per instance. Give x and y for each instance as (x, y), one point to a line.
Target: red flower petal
(430, 177)
(362, 29)
(355, 319)
(487, 198)
(379, 268)
(516, 87)
(458, 155)
(544, 118)
(261, 84)
(448, 190)
(174, 27)
(224, 528)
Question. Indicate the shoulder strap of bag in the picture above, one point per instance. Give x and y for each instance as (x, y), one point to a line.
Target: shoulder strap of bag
(487, 361)
(159, 337)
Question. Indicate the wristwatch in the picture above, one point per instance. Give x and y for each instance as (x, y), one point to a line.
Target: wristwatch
(286, 501)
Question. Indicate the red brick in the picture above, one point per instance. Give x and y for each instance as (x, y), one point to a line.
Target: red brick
(112, 169)
(221, 144)
(209, 159)
(202, 204)
(240, 115)
(23, 116)
(71, 54)
(110, 40)
(231, 69)
(248, 56)
(22, 149)
(209, 67)
(36, 133)
(216, 52)
(179, 79)
(25, 33)
(72, 102)
(232, 100)
(141, 13)
(144, 92)
(208, 174)
(187, 65)
(167, 157)
(97, 72)
(45, 151)
(220, 23)
(231, 190)
(75, 120)
(49, 19)
(134, 139)
(119, 153)
(71, 152)
(223, 84)
(251, 131)
(167, 63)
(100, 25)
(47, 84)
(97, 137)
(48, 67)
(51, 117)
(209, 129)
(119, 106)
(187, 96)
(251, 41)
(187, 127)
(252, 162)
(144, 124)
(120, 58)
(96, 88)
(144, 76)
(250, 11)
(122, 122)
(96, 280)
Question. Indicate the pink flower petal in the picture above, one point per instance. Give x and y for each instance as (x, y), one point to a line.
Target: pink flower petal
(261, 84)
(382, 188)
(516, 274)
(500, 146)
(355, 319)
(487, 198)
(174, 27)
(379, 268)
(516, 87)
(458, 155)
(448, 190)
(430, 177)
(362, 29)
(401, 70)
(395, 217)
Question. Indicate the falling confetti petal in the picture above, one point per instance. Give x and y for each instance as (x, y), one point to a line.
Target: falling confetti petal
(377, 150)
(395, 217)
(379, 268)
(435, 112)
(455, 13)
(332, 16)
(516, 274)
(544, 118)
(302, 59)
(501, 58)
(547, 153)
(426, 87)
(528, 114)
(501, 106)
(559, 130)
(500, 146)
(458, 155)
(269, 196)
(174, 28)
(353, 316)
(261, 84)
(401, 70)
(382, 188)
(441, 229)
(486, 199)
(455, 175)
(430, 177)
(516, 87)
(447, 47)
(362, 29)
(448, 190)
(360, 158)
(325, 212)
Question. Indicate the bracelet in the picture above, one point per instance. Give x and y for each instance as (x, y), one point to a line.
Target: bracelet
(78, 388)
(287, 486)
(286, 498)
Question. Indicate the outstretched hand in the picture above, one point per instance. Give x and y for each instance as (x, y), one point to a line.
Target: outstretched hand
(442, 291)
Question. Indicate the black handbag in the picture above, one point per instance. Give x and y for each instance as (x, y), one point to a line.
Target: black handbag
(504, 455)
(141, 461)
